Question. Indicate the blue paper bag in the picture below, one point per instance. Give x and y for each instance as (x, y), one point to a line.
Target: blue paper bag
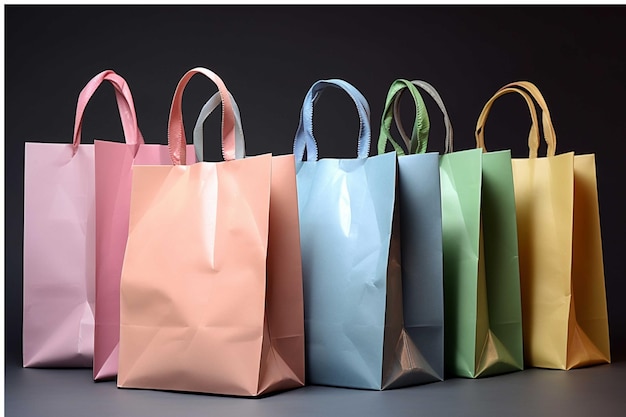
(351, 258)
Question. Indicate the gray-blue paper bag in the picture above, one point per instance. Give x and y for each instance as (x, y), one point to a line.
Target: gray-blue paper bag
(350, 236)
(420, 219)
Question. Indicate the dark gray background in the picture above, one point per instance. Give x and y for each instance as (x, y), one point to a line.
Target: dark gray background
(269, 56)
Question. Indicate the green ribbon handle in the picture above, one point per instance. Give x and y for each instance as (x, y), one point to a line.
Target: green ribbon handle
(421, 126)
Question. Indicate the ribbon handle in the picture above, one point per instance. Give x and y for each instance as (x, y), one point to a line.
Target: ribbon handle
(125, 104)
(421, 126)
(198, 132)
(176, 140)
(529, 92)
(304, 139)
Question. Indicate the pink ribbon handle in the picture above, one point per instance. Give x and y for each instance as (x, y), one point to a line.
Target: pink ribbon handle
(125, 105)
(176, 140)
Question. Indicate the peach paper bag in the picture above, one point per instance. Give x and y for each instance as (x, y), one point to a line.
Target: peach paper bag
(211, 294)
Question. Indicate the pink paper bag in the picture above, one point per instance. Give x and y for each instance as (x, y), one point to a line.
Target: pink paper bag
(59, 242)
(114, 162)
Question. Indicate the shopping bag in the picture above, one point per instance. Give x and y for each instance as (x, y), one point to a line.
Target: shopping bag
(483, 329)
(421, 240)
(113, 165)
(59, 240)
(211, 288)
(560, 249)
(349, 228)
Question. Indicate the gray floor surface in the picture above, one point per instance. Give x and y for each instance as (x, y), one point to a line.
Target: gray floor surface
(594, 391)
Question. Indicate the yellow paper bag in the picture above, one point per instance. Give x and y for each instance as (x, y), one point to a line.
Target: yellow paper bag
(564, 308)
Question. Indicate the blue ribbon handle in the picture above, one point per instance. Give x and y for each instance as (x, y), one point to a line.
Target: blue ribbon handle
(305, 140)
